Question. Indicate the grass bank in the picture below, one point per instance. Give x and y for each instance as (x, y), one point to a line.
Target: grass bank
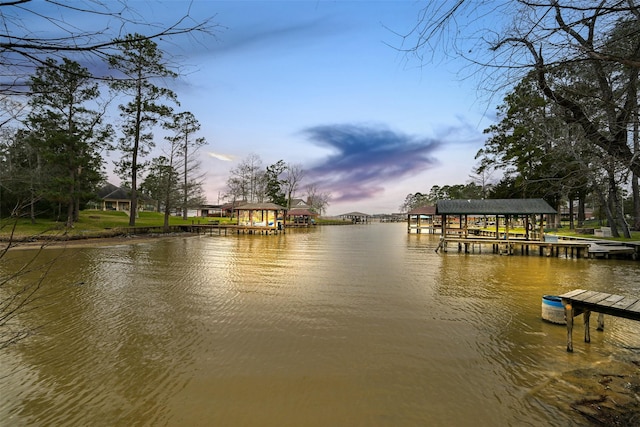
(92, 223)
(96, 224)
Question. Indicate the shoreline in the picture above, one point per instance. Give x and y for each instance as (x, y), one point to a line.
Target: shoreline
(80, 241)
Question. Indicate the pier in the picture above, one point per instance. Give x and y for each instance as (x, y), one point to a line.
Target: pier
(464, 222)
(224, 229)
(580, 301)
(512, 246)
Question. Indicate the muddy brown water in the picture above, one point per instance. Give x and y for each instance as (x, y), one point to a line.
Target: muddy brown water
(335, 326)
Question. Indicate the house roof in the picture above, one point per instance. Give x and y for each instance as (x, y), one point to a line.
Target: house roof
(423, 210)
(231, 205)
(300, 212)
(112, 192)
(260, 207)
(298, 203)
(494, 207)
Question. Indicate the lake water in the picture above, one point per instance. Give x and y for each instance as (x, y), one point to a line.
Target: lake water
(360, 325)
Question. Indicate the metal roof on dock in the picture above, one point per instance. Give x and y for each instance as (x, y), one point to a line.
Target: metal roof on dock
(493, 207)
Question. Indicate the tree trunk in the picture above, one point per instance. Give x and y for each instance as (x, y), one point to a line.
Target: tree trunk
(186, 193)
(32, 208)
(581, 210)
(623, 222)
(635, 187)
(167, 213)
(571, 225)
(70, 205)
(76, 210)
(610, 220)
(615, 205)
(636, 202)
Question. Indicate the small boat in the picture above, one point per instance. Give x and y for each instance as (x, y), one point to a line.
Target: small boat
(553, 310)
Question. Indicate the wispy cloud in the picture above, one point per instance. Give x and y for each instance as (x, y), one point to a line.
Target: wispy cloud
(219, 156)
(366, 158)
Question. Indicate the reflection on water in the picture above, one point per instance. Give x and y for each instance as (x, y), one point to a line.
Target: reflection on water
(352, 325)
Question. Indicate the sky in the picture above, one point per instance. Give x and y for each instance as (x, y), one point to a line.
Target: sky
(323, 84)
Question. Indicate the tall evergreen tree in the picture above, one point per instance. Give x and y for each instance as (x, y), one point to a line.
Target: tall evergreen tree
(66, 133)
(141, 63)
(274, 190)
(185, 127)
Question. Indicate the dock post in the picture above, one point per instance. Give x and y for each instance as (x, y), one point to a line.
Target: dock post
(568, 312)
(600, 322)
(587, 336)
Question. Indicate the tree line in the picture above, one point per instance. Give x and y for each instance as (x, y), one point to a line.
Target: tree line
(568, 127)
(52, 158)
(278, 183)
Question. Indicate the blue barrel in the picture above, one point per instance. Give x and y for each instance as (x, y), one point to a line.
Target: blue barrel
(553, 310)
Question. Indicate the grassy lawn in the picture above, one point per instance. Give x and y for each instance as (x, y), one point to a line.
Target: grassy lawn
(91, 223)
(635, 235)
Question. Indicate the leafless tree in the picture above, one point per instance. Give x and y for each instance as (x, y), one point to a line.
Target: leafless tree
(247, 180)
(318, 200)
(542, 36)
(33, 31)
(505, 40)
(293, 174)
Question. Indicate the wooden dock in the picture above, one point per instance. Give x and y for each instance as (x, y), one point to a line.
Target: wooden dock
(551, 246)
(512, 246)
(225, 229)
(580, 301)
(608, 249)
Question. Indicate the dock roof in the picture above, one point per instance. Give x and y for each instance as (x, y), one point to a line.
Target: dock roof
(494, 207)
(267, 206)
(423, 210)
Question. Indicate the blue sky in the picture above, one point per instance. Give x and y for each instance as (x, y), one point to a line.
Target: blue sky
(319, 83)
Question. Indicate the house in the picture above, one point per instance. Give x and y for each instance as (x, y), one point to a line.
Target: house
(228, 209)
(114, 198)
(206, 211)
(298, 204)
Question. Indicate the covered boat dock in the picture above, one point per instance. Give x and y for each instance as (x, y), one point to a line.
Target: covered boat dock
(472, 223)
(422, 220)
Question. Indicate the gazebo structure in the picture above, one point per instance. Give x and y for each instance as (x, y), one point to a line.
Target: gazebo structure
(261, 217)
(300, 218)
(422, 219)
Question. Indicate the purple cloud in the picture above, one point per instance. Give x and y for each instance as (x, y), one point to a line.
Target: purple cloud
(366, 158)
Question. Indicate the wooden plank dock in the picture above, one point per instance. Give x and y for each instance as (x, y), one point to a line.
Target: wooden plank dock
(219, 229)
(607, 249)
(581, 301)
(551, 246)
(512, 246)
